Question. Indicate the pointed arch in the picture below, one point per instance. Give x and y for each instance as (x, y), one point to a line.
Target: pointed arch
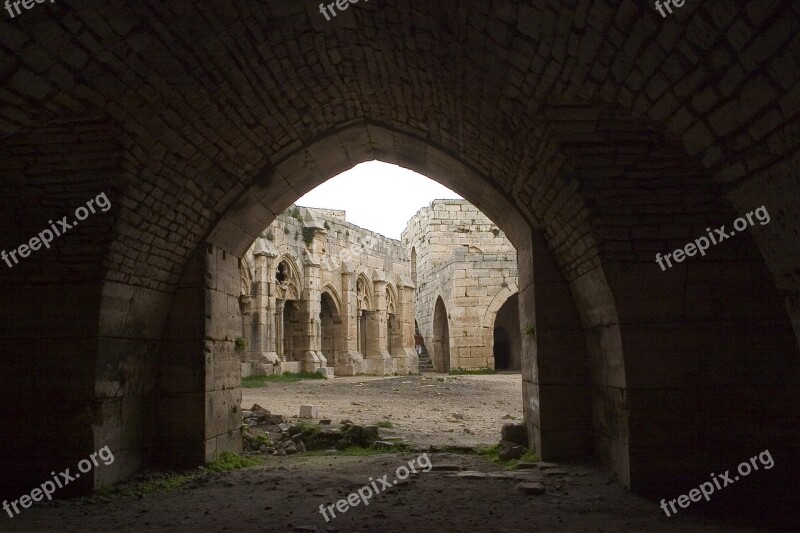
(333, 300)
(364, 294)
(497, 302)
(286, 276)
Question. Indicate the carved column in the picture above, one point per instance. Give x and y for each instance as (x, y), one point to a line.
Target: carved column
(349, 361)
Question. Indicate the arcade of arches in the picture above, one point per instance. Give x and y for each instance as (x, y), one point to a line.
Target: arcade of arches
(593, 134)
(322, 295)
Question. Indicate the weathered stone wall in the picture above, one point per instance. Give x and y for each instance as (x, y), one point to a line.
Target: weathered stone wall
(616, 132)
(463, 258)
(361, 276)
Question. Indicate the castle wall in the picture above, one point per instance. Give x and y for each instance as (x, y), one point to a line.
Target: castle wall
(308, 255)
(464, 259)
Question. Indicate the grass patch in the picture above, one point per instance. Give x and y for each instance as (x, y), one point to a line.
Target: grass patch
(165, 483)
(229, 461)
(479, 372)
(356, 451)
(253, 382)
(492, 453)
(161, 482)
(384, 424)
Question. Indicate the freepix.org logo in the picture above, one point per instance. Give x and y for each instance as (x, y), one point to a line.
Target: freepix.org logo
(27, 4)
(59, 481)
(46, 236)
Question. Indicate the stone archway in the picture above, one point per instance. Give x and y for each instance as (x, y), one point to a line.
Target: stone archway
(441, 338)
(332, 334)
(618, 145)
(507, 337)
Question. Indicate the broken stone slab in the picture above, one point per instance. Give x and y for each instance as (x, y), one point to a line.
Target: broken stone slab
(554, 472)
(445, 467)
(531, 488)
(515, 433)
(309, 411)
(545, 466)
(383, 444)
(524, 465)
(524, 475)
(472, 474)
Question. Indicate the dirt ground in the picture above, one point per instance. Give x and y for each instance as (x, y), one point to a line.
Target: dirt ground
(285, 493)
(429, 409)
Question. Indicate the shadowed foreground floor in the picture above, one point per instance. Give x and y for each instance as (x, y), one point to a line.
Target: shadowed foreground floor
(285, 494)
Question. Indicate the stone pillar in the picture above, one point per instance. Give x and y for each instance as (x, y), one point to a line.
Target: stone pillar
(562, 362)
(405, 358)
(196, 409)
(262, 353)
(378, 360)
(310, 349)
(279, 333)
(349, 361)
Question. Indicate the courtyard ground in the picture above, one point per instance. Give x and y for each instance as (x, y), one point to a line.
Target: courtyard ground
(284, 494)
(429, 409)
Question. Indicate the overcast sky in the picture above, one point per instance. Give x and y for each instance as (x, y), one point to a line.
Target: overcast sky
(393, 195)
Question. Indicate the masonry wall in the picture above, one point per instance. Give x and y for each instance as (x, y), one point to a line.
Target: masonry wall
(357, 271)
(463, 258)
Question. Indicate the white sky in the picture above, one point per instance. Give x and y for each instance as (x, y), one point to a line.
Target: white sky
(395, 195)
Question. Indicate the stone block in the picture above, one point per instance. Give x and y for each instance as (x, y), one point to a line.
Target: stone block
(309, 411)
(293, 367)
(327, 371)
(515, 433)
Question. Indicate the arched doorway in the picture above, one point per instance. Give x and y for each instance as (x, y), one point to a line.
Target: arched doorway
(441, 338)
(331, 336)
(507, 338)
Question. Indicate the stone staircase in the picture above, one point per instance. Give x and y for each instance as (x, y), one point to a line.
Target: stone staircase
(425, 363)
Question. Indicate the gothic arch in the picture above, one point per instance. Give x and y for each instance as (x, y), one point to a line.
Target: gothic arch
(364, 293)
(329, 291)
(391, 299)
(440, 353)
(497, 302)
(286, 277)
